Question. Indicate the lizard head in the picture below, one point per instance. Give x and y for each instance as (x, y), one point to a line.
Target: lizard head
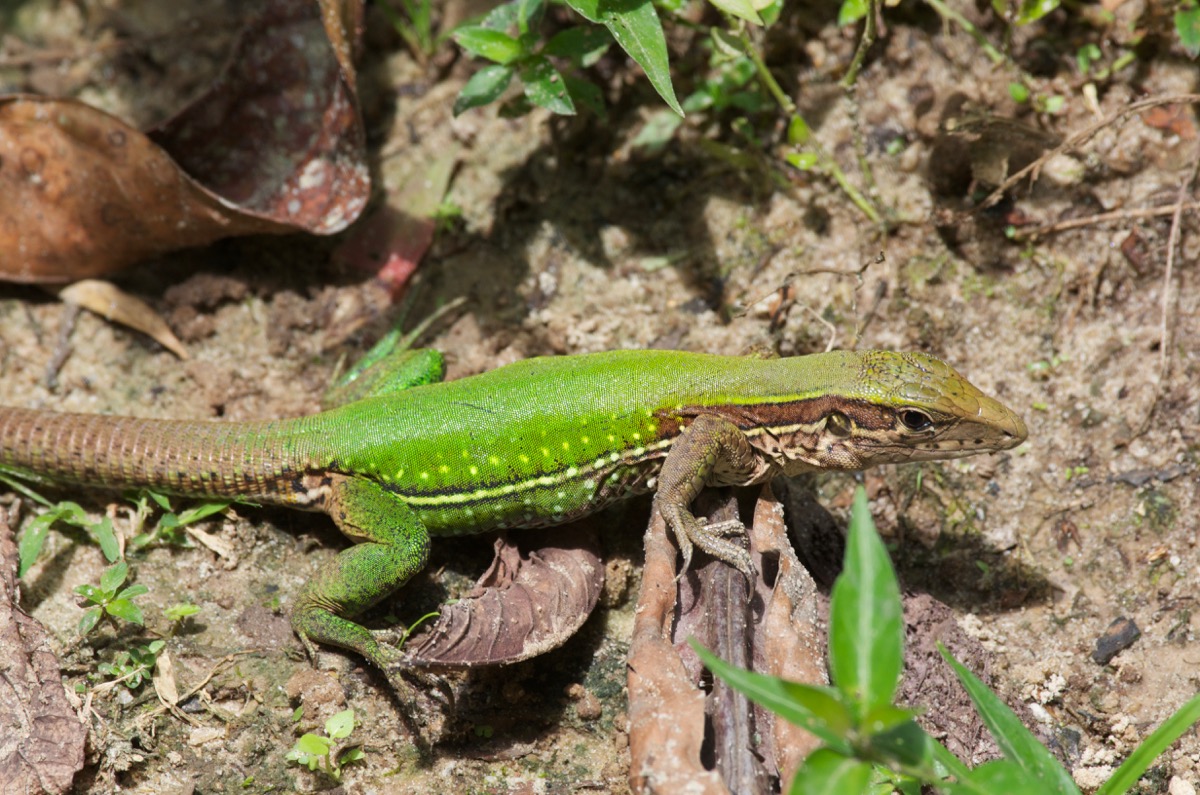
(907, 407)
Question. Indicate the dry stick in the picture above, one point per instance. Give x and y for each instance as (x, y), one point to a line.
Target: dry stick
(1164, 331)
(1075, 139)
(1100, 218)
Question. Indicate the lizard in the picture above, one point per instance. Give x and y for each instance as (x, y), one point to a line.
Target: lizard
(539, 442)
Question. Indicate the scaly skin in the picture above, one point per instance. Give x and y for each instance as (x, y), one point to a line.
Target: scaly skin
(539, 442)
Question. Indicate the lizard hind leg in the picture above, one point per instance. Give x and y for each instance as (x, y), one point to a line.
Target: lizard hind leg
(391, 545)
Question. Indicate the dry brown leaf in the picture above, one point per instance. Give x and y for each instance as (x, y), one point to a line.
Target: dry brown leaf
(42, 745)
(772, 630)
(164, 679)
(83, 194)
(534, 596)
(112, 303)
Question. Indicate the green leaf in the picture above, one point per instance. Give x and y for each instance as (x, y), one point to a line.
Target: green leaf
(132, 591)
(1033, 10)
(1187, 27)
(1002, 775)
(1016, 742)
(905, 743)
(202, 511)
(113, 576)
(126, 610)
(180, 611)
(33, 539)
(354, 754)
(494, 45)
(313, 744)
(485, 86)
(1018, 91)
(340, 725)
(529, 12)
(826, 772)
(805, 161)
(866, 627)
(636, 27)
(816, 709)
(502, 17)
(584, 45)
(1144, 755)
(742, 9)
(106, 537)
(851, 12)
(90, 619)
(586, 93)
(160, 499)
(657, 132)
(798, 131)
(545, 87)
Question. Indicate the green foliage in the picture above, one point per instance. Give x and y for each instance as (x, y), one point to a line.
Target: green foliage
(178, 612)
(508, 38)
(316, 750)
(871, 745)
(110, 599)
(33, 537)
(415, 25)
(169, 529)
(1187, 27)
(134, 666)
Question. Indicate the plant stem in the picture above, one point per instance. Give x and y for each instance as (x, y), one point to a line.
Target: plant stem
(949, 13)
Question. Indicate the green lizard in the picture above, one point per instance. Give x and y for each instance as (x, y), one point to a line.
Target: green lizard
(540, 442)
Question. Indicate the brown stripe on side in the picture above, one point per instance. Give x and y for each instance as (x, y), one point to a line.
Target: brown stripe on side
(866, 415)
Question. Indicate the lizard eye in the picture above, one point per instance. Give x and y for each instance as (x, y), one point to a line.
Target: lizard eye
(838, 424)
(915, 420)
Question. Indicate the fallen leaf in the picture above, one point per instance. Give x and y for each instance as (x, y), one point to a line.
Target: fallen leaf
(43, 737)
(112, 303)
(536, 594)
(83, 194)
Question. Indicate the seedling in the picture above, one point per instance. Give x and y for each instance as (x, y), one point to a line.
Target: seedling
(317, 750)
(134, 666)
(110, 599)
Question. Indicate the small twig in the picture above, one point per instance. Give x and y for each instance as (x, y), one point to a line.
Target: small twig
(1077, 138)
(62, 346)
(1168, 294)
(1100, 218)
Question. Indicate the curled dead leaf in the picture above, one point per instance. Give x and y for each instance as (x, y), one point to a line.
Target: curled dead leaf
(83, 194)
(534, 596)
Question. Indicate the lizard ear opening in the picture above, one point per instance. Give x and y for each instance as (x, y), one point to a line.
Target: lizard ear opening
(838, 424)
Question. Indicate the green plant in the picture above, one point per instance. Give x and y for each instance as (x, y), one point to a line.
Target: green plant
(170, 525)
(868, 740)
(316, 750)
(508, 36)
(108, 598)
(415, 26)
(33, 537)
(178, 612)
(134, 666)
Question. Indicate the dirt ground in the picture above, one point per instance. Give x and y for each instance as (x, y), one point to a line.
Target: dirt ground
(570, 240)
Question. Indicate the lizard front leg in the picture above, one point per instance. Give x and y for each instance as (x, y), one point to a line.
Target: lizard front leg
(711, 450)
(391, 545)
